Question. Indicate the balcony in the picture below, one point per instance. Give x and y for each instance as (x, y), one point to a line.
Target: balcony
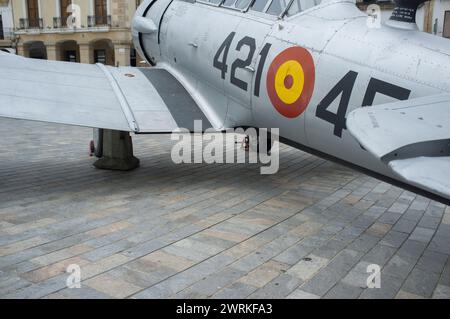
(99, 21)
(57, 23)
(31, 24)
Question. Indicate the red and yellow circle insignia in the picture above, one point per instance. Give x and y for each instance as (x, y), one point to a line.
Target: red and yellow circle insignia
(290, 81)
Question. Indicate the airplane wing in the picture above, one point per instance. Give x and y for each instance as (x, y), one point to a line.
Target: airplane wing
(98, 96)
(411, 137)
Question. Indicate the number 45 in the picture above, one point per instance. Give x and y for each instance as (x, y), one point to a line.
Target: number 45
(344, 89)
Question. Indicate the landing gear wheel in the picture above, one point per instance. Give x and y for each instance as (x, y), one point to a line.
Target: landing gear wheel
(258, 146)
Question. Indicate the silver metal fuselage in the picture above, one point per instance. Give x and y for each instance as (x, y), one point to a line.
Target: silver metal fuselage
(337, 36)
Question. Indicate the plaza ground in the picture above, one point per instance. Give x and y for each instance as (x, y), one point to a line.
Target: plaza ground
(206, 231)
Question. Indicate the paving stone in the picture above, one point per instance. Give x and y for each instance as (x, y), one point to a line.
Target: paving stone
(429, 222)
(264, 274)
(379, 255)
(364, 243)
(82, 293)
(389, 218)
(307, 267)
(398, 267)
(442, 292)
(164, 259)
(215, 282)
(53, 270)
(440, 244)
(407, 295)
(293, 254)
(390, 286)
(421, 283)
(414, 214)
(443, 230)
(432, 261)
(435, 211)
(412, 249)
(330, 249)
(398, 208)
(422, 234)
(405, 225)
(358, 276)
(278, 288)
(112, 286)
(394, 239)
(300, 294)
(322, 282)
(237, 290)
(445, 277)
(379, 229)
(345, 261)
(344, 291)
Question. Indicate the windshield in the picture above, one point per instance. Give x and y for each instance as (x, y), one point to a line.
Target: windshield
(301, 5)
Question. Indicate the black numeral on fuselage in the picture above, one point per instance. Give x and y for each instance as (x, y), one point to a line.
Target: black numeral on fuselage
(344, 89)
(223, 52)
(242, 64)
(221, 61)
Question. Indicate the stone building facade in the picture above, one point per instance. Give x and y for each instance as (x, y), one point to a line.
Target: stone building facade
(6, 25)
(86, 31)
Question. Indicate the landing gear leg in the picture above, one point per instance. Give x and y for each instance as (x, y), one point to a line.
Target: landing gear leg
(117, 152)
(262, 143)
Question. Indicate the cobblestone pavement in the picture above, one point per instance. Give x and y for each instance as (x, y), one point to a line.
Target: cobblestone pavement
(220, 231)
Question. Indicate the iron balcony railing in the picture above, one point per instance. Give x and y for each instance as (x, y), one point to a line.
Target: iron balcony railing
(61, 22)
(57, 22)
(31, 24)
(96, 21)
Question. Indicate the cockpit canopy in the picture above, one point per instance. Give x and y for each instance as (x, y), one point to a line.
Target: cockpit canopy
(270, 7)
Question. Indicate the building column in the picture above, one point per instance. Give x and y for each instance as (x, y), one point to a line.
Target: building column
(85, 53)
(428, 17)
(21, 50)
(51, 52)
(122, 54)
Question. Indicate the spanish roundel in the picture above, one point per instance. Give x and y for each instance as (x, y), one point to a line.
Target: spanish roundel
(290, 81)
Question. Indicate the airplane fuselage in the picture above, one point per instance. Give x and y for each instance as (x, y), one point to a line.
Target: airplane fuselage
(230, 61)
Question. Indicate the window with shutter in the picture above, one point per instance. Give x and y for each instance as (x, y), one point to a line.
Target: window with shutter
(33, 13)
(64, 5)
(447, 24)
(101, 12)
